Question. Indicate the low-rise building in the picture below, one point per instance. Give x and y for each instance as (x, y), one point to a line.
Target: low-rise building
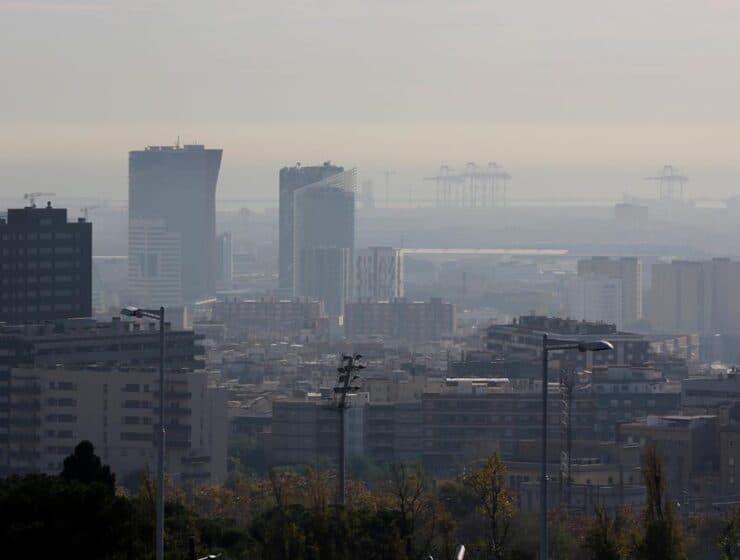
(306, 432)
(268, 318)
(525, 337)
(625, 393)
(467, 418)
(688, 446)
(400, 320)
(711, 391)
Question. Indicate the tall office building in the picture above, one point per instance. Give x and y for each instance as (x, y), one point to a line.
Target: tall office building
(378, 274)
(46, 270)
(628, 271)
(177, 185)
(154, 264)
(324, 240)
(292, 179)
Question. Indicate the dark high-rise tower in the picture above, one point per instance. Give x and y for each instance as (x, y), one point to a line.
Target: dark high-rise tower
(292, 179)
(46, 270)
(177, 186)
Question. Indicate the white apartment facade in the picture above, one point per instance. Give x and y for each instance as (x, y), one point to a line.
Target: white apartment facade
(378, 274)
(52, 410)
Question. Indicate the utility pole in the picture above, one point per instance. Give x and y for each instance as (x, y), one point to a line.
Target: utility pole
(343, 387)
(567, 385)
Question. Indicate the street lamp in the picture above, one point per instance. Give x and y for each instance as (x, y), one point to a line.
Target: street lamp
(547, 346)
(157, 314)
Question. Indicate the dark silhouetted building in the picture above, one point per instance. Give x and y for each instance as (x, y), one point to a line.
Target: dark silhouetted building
(176, 186)
(292, 179)
(46, 270)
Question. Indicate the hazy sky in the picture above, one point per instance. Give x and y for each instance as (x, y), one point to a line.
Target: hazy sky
(564, 89)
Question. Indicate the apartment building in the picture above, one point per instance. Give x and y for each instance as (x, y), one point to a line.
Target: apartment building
(45, 265)
(83, 342)
(268, 318)
(524, 337)
(464, 419)
(688, 446)
(378, 274)
(306, 431)
(400, 320)
(626, 393)
(627, 273)
(53, 409)
(695, 296)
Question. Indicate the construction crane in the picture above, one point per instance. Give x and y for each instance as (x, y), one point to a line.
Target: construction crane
(86, 209)
(32, 196)
(670, 183)
(475, 187)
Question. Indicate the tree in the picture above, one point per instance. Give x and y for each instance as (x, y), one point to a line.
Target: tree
(44, 516)
(423, 525)
(488, 484)
(86, 467)
(662, 537)
(602, 539)
(729, 538)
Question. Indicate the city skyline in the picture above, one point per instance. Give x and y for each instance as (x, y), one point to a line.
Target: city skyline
(617, 88)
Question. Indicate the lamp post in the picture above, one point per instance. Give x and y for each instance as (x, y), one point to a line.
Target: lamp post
(349, 365)
(547, 346)
(157, 314)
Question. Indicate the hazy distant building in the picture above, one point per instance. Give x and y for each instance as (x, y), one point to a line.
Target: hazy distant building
(628, 271)
(45, 265)
(325, 273)
(268, 318)
(306, 432)
(154, 264)
(400, 320)
(695, 297)
(593, 298)
(324, 240)
(378, 274)
(225, 258)
(292, 179)
(109, 282)
(631, 214)
(178, 186)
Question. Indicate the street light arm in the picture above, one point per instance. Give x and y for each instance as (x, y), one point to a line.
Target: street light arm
(569, 346)
(138, 313)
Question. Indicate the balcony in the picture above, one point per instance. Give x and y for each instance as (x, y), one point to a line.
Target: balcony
(28, 390)
(174, 395)
(174, 411)
(26, 405)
